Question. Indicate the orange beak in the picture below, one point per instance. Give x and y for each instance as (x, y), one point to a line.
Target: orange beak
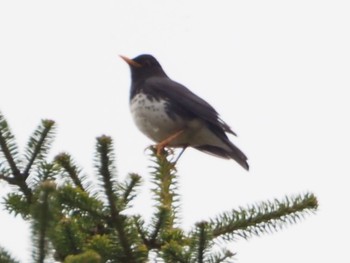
(131, 62)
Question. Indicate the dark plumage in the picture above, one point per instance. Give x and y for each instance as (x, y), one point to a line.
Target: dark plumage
(172, 115)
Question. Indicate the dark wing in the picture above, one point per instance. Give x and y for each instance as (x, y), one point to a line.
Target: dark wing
(189, 105)
(186, 101)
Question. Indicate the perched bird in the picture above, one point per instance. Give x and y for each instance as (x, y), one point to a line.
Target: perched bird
(171, 115)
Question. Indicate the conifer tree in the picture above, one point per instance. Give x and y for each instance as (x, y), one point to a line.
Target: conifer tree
(76, 221)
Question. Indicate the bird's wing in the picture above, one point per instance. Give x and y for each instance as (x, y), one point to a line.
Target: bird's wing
(186, 101)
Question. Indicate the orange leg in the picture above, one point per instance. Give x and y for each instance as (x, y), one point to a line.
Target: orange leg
(160, 146)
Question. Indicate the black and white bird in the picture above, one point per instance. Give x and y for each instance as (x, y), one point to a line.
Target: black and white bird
(173, 116)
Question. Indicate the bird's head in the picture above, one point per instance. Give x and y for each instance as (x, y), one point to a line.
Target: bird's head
(144, 66)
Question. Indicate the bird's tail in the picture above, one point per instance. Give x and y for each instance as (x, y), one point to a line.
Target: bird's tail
(234, 153)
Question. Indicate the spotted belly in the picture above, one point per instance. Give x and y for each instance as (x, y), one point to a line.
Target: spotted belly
(150, 116)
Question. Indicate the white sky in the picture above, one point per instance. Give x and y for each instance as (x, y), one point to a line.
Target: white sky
(277, 71)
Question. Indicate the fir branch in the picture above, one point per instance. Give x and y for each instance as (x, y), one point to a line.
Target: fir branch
(104, 246)
(88, 256)
(73, 221)
(128, 188)
(39, 144)
(105, 167)
(26, 190)
(106, 170)
(165, 192)
(17, 204)
(160, 223)
(221, 257)
(262, 218)
(43, 218)
(75, 200)
(44, 171)
(174, 252)
(68, 238)
(203, 240)
(9, 148)
(8, 179)
(66, 162)
(143, 233)
(21, 183)
(5, 256)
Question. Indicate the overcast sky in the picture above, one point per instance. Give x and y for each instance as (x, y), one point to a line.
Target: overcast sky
(276, 71)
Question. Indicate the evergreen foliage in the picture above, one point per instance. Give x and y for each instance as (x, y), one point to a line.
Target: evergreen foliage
(5, 257)
(76, 221)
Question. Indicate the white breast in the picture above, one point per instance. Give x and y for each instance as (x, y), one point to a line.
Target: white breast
(151, 118)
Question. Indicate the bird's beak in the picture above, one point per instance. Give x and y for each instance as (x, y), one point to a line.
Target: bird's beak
(131, 62)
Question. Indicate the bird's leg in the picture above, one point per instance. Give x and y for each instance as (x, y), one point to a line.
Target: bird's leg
(180, 154)
(160, 146)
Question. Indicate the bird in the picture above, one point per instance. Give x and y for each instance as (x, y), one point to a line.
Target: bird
(173, 116)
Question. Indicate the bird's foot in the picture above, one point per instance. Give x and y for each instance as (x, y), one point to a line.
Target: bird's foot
(160, 146)
(160, 149)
